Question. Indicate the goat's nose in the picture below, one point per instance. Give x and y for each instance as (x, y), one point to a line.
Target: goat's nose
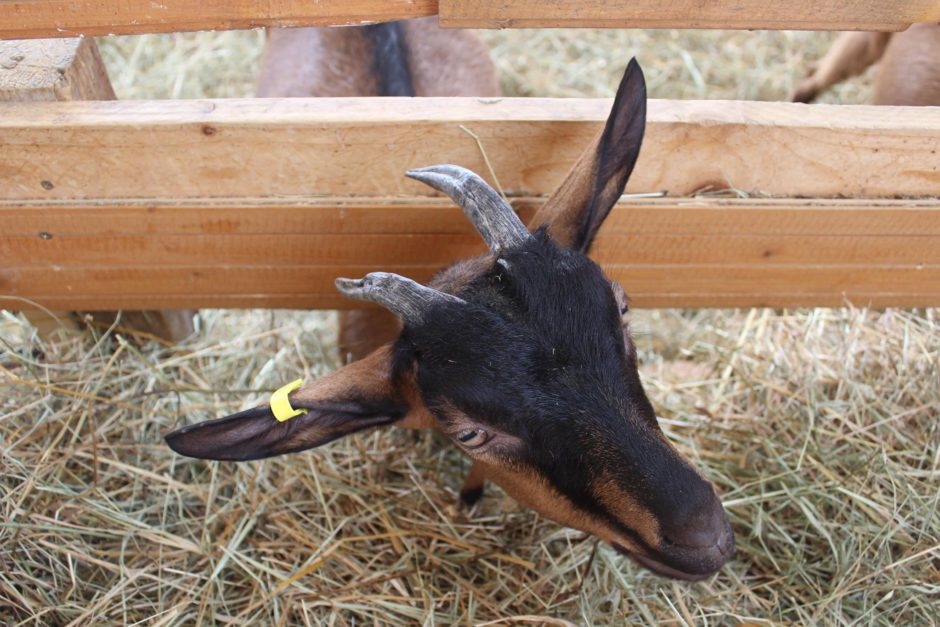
(701, 527)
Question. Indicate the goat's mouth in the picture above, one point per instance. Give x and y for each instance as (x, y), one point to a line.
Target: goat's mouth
(683, 562)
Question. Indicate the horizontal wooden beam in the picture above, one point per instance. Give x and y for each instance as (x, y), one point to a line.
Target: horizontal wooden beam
(268, 253)
(885, 15)
(20, 19)
(361, 147)
(309, 301)
(27, 19)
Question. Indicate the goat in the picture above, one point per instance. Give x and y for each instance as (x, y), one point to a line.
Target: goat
(909, 73)
(523, 359)
(412, 58)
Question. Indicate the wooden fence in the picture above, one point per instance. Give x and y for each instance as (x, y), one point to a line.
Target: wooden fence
(68, 18)
(248, 202)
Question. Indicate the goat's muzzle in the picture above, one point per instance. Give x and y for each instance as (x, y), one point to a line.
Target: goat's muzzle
(694, 555)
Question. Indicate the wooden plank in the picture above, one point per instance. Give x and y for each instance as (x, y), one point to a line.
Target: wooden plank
(886, 15)
(381, 250)
(45, 285)
(418, 216)
(63, 70)
(638, 300)
(234, 216)
(67, 18)
(360, 147)
(669, 252)
(441, 249)
(27, 19)
(52, 70)
(190, 250)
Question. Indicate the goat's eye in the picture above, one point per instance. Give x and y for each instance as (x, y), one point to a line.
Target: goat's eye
(472, 438)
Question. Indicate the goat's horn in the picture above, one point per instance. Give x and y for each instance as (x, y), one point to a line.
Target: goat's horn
(403, 297)
(495, 220)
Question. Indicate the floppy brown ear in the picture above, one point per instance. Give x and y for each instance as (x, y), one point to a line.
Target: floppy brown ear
(579, 206)
(354, 398)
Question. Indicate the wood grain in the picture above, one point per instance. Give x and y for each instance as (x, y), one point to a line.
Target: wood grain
(638, 300)
(52, 70)
(65, 70)
(26, 19)
(417, 216)
(20, 19)
(381, 250)
(262, 285)
(360, 147)
(885, 15)
(264, 253)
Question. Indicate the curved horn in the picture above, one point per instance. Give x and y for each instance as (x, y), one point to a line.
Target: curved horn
(403, 297)
(495, 220)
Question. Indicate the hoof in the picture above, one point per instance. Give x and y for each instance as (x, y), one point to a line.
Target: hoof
(469, 498)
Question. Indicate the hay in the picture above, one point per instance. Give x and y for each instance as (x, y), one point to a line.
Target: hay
(678, 64)
(820, 427)
(553, 62)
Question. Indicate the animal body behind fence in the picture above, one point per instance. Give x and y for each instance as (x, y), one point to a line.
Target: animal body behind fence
(908, 72)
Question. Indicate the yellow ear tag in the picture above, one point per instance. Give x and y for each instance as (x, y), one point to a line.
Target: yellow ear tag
(280, 403)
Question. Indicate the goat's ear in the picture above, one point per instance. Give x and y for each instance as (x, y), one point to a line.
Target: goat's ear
(354, 398)
(579, 206)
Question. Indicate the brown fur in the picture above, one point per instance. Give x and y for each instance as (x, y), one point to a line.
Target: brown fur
(531, 490)
(454, 278)
(909, 73)
(449, 62)
(360, 331)
(368, 378)
(456, 74)
(570, 434)
(337, 62)
(562, 211)
(169, 324)
(910, 69)
(473, 485)
(316, 62)
(626, 507)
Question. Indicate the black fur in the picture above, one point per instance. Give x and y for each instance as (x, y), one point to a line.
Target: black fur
(256, 433)
(390, 59)
(617, 153)
(538, 353)
(535, 352)
(470, 497)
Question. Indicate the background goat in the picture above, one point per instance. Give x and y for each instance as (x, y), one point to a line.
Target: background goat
(909, 73)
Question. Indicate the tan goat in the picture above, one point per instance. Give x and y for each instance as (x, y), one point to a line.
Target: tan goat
(909, 73)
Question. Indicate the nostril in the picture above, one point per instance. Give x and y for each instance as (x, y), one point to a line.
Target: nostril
(708, 527)
(726, 542)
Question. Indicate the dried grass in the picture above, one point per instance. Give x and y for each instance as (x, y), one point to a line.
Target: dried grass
(552, 62)
(820, 427)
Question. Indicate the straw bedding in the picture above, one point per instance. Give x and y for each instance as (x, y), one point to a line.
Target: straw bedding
(820, 428)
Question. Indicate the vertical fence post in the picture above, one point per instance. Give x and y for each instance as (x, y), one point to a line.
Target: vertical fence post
(64, 70)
